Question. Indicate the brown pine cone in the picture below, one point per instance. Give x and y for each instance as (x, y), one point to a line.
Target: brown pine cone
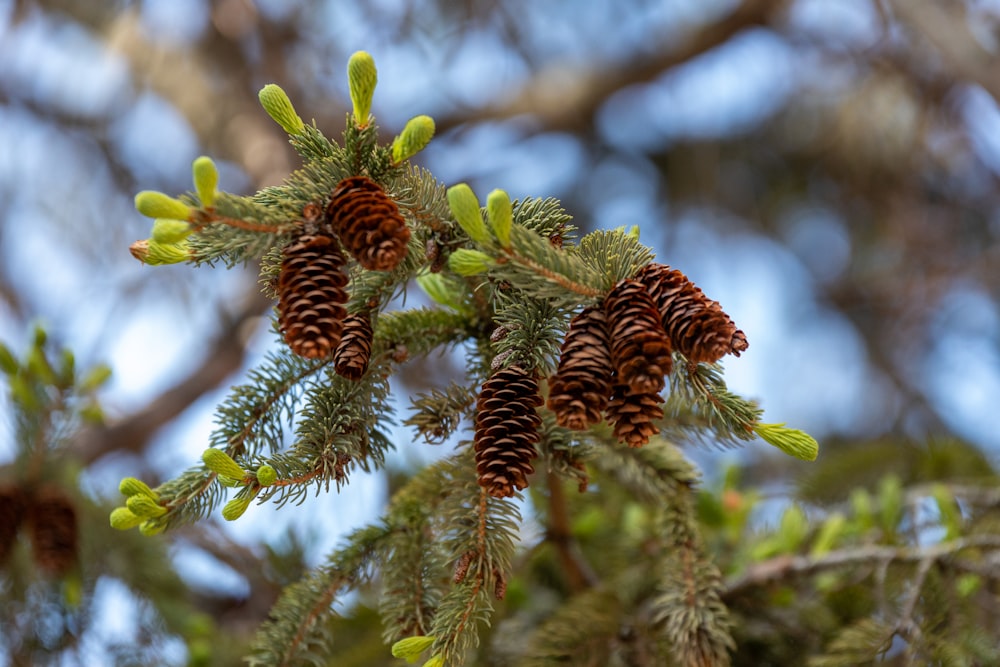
(311, 295)
(632, 413)
(579, 390)
(12, 507)
(355, 349)
(53, 527)
(640, 349)
(697, 326)
(369, 223)
(506, 431)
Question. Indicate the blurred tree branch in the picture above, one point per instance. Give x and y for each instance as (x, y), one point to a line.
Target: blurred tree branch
(224, 356)
(566, 99)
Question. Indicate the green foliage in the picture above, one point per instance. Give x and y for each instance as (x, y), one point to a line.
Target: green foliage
(640, 565)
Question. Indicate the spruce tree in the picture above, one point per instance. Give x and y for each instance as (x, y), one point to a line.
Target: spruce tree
(586, 362)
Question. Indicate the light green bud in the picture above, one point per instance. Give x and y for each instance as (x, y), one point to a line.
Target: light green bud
(122, 518)
(166, 230)
(95, 377)
(130, 486)
(441, 290)
(230, 482)
(235, 508)
(266, 475)
(791, 441)
(144, 506)
(206, 178)
(277, 105)
(220, 462)
(8, 362)
(498, 210)
(39, 366)
(151, 527)
(153, 204)
(157, 254)
(829, 533)
(413, 139)
(435, 661)
(361, 79)
(465, 207)
(410, 648)
(467, 262)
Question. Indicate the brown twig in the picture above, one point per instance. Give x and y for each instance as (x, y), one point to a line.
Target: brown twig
(579, 574)
(785, 567)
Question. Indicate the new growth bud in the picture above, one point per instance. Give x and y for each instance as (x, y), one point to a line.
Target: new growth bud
(266, 475)
(206, 178)
(122, 518)
(361, 78)
(223, 464)
(235, 508)
(414, 137)
(145, 507)
(155, 253)
(151, 527)
(409, 649)
(791, 441)
(465, 207)
(153, 204)
(277, 105)
(130, 486)
(500, 213)
(166, 230)
(466, 262)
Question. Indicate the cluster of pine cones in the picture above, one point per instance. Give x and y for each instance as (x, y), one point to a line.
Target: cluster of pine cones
(50, 518)
(613, 363)
(364, 221)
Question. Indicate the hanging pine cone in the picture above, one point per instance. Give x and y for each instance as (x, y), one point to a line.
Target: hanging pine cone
(12, 506)
(52, 520)
(578, 392)
(506, 431)
(640, 349)
(632, 413)
(311, 295)
(352, 355)
(369, 223)
(697, 326)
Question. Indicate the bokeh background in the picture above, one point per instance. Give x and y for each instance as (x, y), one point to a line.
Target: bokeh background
(826, 169)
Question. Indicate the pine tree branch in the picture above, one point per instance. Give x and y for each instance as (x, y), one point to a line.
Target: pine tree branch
(579, 575)
(782, 568)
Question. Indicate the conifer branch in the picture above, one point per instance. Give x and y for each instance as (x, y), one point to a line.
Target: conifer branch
(700, 404)
(579, 574)
(338, 242)
(295, 632)
(781, 568)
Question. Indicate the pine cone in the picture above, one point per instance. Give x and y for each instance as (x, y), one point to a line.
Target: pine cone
(640, 349)
(12, 506)
(697, 326)
(352, 355)
(369, 223)
(53, 524)
(311, 295)
(506, 431)
(632, 414)
(578, 392)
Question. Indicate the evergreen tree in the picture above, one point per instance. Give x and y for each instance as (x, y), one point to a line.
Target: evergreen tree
(337, 242)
